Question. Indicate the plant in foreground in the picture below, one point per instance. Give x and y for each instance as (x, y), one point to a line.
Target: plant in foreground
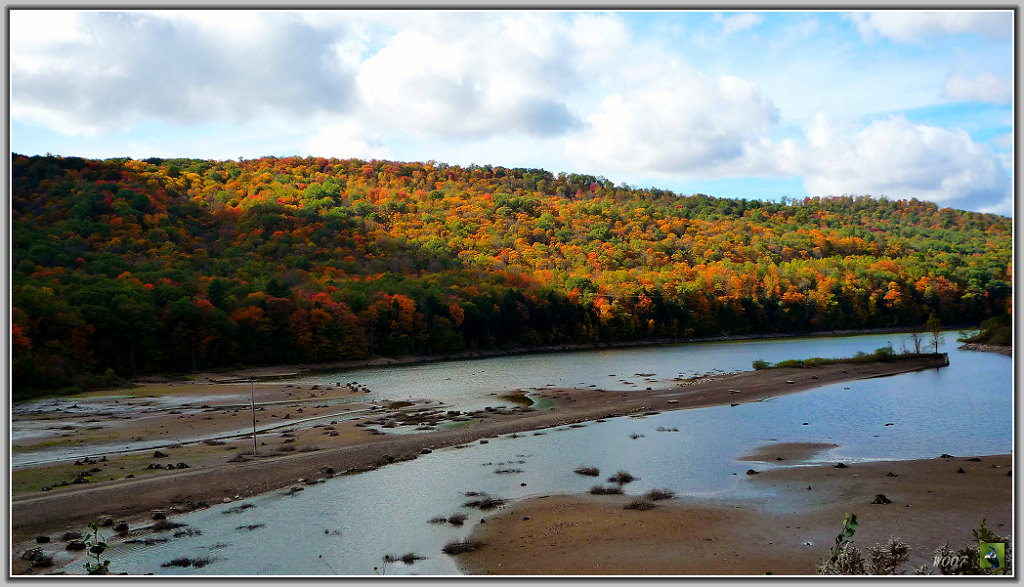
(96, 547)
(886, 559)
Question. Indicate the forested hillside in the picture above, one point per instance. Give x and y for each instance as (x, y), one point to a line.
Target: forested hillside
(123, 266)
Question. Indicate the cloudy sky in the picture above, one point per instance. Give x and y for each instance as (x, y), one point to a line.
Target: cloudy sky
(732, 104)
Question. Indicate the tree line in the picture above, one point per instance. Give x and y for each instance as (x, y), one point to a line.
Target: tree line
(122, 267)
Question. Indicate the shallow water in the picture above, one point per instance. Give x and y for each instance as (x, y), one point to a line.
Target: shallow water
(353, 521)
(469, 385)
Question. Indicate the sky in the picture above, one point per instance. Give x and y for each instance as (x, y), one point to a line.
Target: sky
(758, 105)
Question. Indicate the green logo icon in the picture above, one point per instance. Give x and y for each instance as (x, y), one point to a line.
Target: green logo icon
(993, 555)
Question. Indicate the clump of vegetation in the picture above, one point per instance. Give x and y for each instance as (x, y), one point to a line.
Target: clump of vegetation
(659, 494)
(602, 490)
(188, 562)
(886, 559)
(622, 477)
(454, 520)
(485, 502)
(407, 558)
(188, 532)
(588, 471)
(640, 504)
(881, 354)
(461, 546)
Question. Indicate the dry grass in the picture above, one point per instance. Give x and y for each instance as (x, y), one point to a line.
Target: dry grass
(640, 504)
(602, 490)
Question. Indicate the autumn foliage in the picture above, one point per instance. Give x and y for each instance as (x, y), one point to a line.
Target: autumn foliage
(131, 266)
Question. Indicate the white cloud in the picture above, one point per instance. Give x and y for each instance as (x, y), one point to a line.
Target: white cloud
(1003, 141)
(985, 87)
(738, 22)
(347, 139)
(910, 26)
(474, 76)
(104, 72)
(681, 122)
(899, 159)
(423, 72)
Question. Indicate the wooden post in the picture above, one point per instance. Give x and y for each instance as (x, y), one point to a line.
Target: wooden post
(252, 397)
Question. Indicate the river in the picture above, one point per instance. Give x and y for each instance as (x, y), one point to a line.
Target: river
(345, 525)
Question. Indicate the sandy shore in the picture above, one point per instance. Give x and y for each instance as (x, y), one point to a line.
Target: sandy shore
(787, 532)
(126, 487)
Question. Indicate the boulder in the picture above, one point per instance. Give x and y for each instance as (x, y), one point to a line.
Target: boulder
(75, 545)
(881, 499)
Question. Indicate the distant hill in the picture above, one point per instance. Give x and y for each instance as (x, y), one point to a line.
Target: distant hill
(123, 267)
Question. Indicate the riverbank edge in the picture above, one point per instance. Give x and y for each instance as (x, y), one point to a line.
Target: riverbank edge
(285, 370)
(987, 348)
(193, 489)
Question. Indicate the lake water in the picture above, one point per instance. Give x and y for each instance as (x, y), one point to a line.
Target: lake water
(345, 525)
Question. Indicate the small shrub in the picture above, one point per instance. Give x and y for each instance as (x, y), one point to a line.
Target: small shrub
(621, 478)
(659, 494)
(884, 559)
(411, 557)
(457, 519)
(640, 504)
(588, 471)
(759, 364)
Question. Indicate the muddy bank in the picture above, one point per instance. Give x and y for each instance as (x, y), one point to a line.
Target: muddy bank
(988, 348)
(932, 503)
